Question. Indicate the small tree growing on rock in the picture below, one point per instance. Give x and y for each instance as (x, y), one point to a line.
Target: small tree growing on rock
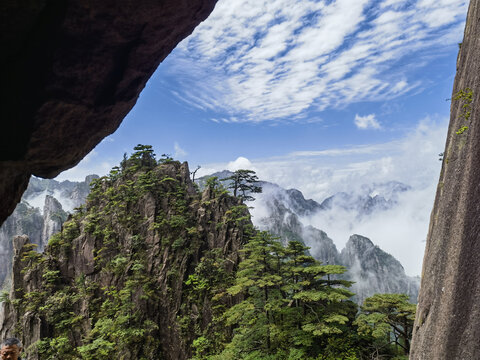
(243, 183)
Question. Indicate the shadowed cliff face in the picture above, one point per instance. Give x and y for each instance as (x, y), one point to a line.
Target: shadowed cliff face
(71, 71)
(448, 315)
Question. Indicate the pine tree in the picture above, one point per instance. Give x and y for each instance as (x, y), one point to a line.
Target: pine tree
(384, 315)
(258, 280)
(289, 307)
(243, 183)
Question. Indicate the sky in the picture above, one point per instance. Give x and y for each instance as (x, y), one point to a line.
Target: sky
(322, 96)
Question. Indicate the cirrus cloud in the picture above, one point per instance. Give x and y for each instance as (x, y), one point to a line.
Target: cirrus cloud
(258, 60)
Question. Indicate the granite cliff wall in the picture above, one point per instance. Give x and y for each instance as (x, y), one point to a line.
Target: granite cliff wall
(448, 317)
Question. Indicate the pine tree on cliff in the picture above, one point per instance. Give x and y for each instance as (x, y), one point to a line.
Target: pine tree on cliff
(243, 183)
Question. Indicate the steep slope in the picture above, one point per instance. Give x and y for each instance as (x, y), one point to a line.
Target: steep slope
(70, 194)
(40, 214)
(374, 271)
(283, 222)
(124, 277)
(281, 212)
(25, 220)
(448, 316)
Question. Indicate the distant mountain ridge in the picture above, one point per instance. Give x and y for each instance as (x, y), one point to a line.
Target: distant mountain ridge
(279, 211)
(71, 194)
(368, 199)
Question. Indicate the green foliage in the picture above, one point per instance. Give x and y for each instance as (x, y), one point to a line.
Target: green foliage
(277, 303)
(143, 157)
(237, 214)
(289, 305)
(385, 315)
(120, 326)
(461, 130)
(215, 186)
(466, 98)
(4, 296)
(165, 159)
(243, 183)
(98, 349)
(207, 288)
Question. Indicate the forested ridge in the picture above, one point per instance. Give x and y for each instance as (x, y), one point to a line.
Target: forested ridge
(153, 268)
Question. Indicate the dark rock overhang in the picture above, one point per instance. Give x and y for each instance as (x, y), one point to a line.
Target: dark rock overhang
(70, 72)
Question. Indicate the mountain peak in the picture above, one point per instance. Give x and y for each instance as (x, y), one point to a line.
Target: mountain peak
(359, 242)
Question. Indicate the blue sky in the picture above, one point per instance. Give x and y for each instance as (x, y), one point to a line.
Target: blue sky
(266, 78)
(317, 95)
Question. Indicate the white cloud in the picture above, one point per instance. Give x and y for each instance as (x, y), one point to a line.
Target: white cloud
(412, 160)
(257, 60)
(357, 150)
(366, 122)
(109, 139)
(240, 163)
(179, 152)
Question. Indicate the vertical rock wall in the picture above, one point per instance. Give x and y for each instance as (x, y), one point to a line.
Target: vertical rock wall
(448, 317)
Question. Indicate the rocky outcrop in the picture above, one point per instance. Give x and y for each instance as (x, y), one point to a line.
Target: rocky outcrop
(448, 315)
(9, 318)
(53, 218)
(71, 71)
(28, 220)
(70, 194)
(375, 271)
(40, 214)
(133, 272)
(25, 220)
(321, 246)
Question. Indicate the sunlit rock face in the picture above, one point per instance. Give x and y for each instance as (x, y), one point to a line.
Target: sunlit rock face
(448, 315)
(71, 71)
